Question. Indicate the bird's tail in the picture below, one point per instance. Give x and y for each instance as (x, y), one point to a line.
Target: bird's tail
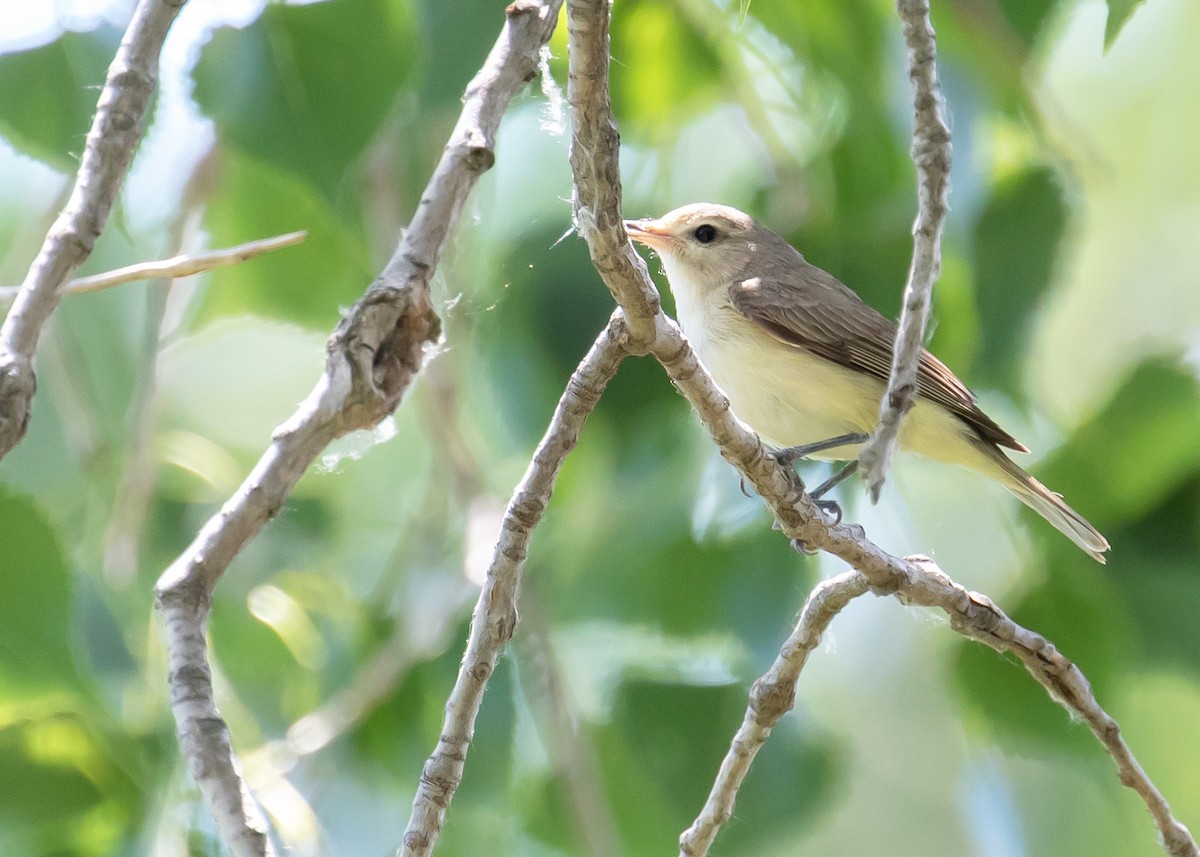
(1046, 503)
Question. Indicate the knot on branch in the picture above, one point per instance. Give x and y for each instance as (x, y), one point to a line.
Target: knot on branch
(480, 158)
(18, 383)
(182, 595)
(383, 341)
(770, 700)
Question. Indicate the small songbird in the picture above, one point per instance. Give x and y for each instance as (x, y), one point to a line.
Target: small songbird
(804, 361)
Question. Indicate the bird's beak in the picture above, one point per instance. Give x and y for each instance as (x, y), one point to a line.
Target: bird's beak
(649, 232)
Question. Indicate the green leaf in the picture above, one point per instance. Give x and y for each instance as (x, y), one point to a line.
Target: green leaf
(306, 87)
(1153, 570)
(48, 95)
(675, 75)
(1139, 450)
(664, 746)
(307, 283)
(1119, 12)
(65, 790)
(1025, 18)
(471, 27)
(1134, 470)
(35, 611)
(1016, 241)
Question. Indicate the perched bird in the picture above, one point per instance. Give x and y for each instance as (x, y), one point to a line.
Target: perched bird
(804, 361)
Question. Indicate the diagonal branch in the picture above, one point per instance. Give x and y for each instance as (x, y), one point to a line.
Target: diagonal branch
(931, 154)
(372, 358)
(116, 131)
(772, 696)
(914, 580)
(495, 616)
(972, 615)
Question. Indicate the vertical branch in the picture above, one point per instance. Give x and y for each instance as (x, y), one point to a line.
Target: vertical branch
(931, 154)
(115, 134)
(495, 615)
(594, 164)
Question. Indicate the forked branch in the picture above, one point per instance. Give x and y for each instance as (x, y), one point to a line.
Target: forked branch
(913, 580)
(373, 356)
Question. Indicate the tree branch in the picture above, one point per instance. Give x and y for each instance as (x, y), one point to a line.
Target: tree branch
(595, 145)
(771, 697)
(184, 265)
(914, 580)
(971, 614)
(116, 131)
(373, 355)
(931, 154)
(495, 615)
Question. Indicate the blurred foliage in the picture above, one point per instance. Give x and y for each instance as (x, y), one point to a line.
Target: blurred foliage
(655, 592)
(66, 73)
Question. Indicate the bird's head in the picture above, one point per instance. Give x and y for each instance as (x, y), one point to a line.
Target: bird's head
(708, 245)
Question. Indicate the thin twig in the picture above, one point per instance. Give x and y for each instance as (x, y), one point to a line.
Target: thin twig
(914, 580)
(173, 268)
(931, 155)
(372, 358)
(116, 131)
(495, 616)
(772, 696)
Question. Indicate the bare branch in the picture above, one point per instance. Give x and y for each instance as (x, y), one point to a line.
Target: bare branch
(922, 583)
(373, 356)
(975, 616)
(184, 265)
(915, 580)
(495, 616)
(931, 154)
(116, 131)
(594, 149)
(772, 696)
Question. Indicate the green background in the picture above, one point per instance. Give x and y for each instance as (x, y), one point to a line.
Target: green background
(655, 592)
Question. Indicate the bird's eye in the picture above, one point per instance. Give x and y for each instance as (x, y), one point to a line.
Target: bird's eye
(705, 233)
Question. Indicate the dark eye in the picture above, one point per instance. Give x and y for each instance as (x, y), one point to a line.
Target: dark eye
(705, 233)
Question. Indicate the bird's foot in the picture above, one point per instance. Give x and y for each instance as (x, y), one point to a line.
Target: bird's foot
(830, 509)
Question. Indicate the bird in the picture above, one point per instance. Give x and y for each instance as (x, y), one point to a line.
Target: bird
(804, 361)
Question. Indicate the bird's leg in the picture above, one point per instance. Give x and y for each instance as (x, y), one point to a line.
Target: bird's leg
(828, 507)
(790, 455)
(831, 507)
(795, 453)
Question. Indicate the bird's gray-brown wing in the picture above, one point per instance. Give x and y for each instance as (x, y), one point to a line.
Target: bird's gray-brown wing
(812, 309)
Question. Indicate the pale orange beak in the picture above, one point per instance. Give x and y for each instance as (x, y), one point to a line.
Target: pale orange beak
(649, 232)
